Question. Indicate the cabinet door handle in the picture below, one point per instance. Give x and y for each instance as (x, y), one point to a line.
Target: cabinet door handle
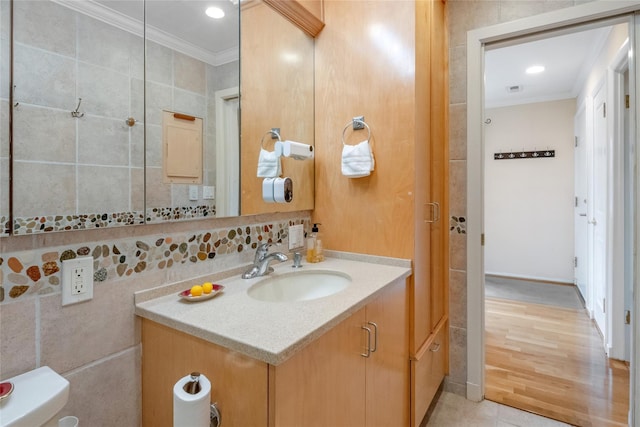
(375, 336)
(435, 347)
(434, 212)
(368, 353)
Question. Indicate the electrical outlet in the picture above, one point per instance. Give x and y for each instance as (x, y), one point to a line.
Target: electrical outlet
(77, 280)
(296, 236)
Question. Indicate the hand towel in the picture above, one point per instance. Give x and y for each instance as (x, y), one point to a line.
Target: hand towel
(357, 160)
(269, 164)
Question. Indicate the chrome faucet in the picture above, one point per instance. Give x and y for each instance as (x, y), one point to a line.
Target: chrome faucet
(262, 260)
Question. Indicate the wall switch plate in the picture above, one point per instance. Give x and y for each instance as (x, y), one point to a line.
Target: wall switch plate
(193, 192)
(208, 192)
(77, 280)
(296, 236)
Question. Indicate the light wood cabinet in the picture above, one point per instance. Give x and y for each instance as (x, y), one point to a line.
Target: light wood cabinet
(329, 382)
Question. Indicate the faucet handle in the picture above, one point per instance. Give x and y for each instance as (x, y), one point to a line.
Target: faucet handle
(297, 258)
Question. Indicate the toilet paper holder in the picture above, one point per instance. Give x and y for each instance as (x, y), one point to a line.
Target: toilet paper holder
(215, 417)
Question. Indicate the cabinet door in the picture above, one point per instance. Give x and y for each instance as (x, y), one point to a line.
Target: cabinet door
(388, 367)
(237, 381)
(323, 384)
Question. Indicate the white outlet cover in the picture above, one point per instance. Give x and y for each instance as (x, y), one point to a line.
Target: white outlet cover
(69, 267)
(193, 192)
(296, 236)
(208, 192)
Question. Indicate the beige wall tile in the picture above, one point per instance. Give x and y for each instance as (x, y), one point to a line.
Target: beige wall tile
(465, 15)
(103, 189)
(458, 299)
(458, 355)
(39, 184)
(33, 128)
(103, 141)
(103, 44)
(458, 75)
(17, 337)
(75, 335)
(511, 10)
(458, 132)
(189, 73)
(50, 26)
(458, 251)
(458, 187)
(107, 393)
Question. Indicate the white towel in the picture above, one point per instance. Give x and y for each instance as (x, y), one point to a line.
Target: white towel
(357, 160)
(269, 164)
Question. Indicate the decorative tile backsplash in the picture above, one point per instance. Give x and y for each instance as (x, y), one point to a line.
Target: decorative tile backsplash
(38, 272)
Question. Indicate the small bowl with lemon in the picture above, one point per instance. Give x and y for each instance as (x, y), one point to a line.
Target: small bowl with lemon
(201, 292)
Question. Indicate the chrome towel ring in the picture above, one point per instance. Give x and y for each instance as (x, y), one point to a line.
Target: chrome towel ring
(272, 133)
(354, 123)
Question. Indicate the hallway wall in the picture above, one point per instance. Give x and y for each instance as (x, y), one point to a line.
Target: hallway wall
(529, 202)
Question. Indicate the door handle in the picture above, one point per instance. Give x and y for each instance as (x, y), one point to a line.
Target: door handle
(583, 214)
(593, 221)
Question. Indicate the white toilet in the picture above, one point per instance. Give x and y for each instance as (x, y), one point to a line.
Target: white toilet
(36, 398)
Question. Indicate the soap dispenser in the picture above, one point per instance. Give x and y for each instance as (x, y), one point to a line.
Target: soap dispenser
(311, 244)
(317, 252)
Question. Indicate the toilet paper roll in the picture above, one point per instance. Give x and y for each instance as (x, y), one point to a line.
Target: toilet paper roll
(191, 409)
(295, 150)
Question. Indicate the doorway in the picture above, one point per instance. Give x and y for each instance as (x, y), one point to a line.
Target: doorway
(477, 41)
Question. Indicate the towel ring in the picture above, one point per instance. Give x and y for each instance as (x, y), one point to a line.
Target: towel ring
(269, 133)
(344, 131)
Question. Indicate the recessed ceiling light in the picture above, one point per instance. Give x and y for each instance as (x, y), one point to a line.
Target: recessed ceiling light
(535, 69)
(214, 12)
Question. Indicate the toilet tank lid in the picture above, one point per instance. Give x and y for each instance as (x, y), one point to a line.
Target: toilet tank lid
(37, 396)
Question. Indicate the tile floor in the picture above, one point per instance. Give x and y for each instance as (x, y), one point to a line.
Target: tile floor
(452, 410)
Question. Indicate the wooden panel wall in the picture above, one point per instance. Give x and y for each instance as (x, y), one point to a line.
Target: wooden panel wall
(365, 66)
(276, 91)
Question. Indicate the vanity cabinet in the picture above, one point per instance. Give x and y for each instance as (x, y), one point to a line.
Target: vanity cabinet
(328, 382)
(331, 383)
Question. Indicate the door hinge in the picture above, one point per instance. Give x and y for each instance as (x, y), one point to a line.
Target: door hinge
(482, 239)
(576, 141)
(627, 317)
(576, 201)
(604, 109)
(626, 101)
(575, 261)
(604, 305)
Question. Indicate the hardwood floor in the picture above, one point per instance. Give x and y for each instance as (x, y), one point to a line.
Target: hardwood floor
(550, 361)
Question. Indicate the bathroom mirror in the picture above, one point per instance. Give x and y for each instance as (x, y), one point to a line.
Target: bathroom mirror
(277, 92)
(77, 164)
(89, 97)
(4, 116)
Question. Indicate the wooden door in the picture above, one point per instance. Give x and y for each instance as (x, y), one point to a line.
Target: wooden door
(387, 368)
(323, 384)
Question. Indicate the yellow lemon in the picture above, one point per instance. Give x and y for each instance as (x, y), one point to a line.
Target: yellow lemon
(196, 291)
(207, 287)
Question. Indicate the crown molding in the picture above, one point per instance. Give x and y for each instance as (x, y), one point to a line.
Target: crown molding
(136, 27)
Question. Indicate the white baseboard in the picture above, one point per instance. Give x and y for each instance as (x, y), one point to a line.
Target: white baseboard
(532, 278)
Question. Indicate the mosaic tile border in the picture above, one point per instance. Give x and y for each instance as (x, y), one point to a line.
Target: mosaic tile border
(4, 225)
(50, 223)
(180, 212)
(458, 224)
(38, 272)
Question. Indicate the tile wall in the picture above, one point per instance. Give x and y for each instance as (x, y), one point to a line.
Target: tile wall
(466, 15)
(96, 344)
(60, 56)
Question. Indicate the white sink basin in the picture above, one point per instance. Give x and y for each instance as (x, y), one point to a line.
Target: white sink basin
(299, 286)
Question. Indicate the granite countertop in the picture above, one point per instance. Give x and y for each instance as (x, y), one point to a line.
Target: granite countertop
(270, 331)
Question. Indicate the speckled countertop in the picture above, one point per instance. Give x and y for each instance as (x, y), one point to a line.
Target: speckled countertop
(270, 331)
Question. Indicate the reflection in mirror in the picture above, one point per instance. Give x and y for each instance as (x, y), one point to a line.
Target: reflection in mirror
(77, 164)
(5, 23)
(277, 92)
(192, 167)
